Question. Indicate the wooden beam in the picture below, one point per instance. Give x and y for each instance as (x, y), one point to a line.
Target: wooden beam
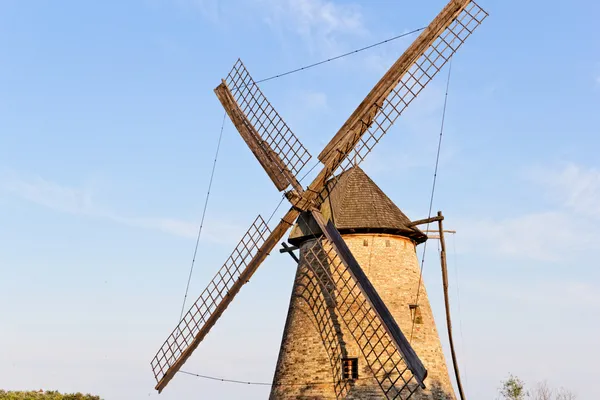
(426, 221)
(447, 304)
(436, 230)
(290, 251)
(263, 252)
(366, 287)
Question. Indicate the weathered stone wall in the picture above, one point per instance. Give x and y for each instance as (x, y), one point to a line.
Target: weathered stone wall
(314, 338)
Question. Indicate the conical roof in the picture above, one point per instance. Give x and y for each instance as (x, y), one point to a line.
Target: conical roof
(357, 205)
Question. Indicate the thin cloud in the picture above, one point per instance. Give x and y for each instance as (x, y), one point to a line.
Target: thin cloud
(210, 9)
(49, 194)
(558, 234)
(544, 293)
(320, 23)
(312, 100)
(545, 236)
(575, 187)
(79, 201)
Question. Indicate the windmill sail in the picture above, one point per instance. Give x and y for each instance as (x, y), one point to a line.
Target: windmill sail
(273, 143)
(250, 252)
(401, 84)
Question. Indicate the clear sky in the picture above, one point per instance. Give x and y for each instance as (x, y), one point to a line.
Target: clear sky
(108, 126)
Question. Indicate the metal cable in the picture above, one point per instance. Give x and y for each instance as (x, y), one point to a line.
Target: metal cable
(437, 161)
(340, 56)
(227, 380)
(212, 174)
(275, 210)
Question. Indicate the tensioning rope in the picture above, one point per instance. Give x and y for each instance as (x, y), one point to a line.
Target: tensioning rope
(435, 171)
(227, 380)
(251, 383)
(437, 160)
(212, 174)
(340, 56)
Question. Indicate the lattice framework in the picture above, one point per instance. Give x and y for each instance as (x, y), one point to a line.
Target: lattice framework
(187, 329)
(265, 120)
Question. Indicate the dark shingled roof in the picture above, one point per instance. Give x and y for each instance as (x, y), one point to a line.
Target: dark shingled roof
(357, 205)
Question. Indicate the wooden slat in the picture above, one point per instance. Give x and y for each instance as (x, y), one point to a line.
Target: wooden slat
(412, 360)
(263, 252)
(345, 139)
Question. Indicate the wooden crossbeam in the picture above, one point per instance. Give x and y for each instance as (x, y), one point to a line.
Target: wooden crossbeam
(426, 220)
(290, 250)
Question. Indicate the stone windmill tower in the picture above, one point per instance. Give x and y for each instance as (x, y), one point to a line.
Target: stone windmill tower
(350, 283)
(315, 344)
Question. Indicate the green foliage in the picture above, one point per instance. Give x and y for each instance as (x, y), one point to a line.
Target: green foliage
(41, 395)
(513, 389)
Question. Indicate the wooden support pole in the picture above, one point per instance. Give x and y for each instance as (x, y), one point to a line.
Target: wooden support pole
(440, 218)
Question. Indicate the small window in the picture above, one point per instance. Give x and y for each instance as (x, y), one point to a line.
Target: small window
(350, 369)
(415, 314)
(365, 242)
(387, 243)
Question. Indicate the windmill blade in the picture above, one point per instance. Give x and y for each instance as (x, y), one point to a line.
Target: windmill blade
(401, 84)
(250, 252)
(369, 302)
(270, 139)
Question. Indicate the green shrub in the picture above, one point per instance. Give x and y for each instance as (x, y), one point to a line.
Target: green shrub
(45, 395)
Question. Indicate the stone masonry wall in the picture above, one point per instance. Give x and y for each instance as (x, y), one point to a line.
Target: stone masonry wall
(314, 339)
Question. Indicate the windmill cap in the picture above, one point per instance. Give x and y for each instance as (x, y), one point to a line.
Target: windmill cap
(357, 205)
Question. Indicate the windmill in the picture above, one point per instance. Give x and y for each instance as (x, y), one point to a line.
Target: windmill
(334, 271)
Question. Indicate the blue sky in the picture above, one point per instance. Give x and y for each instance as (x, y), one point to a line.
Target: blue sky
(108, 126)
